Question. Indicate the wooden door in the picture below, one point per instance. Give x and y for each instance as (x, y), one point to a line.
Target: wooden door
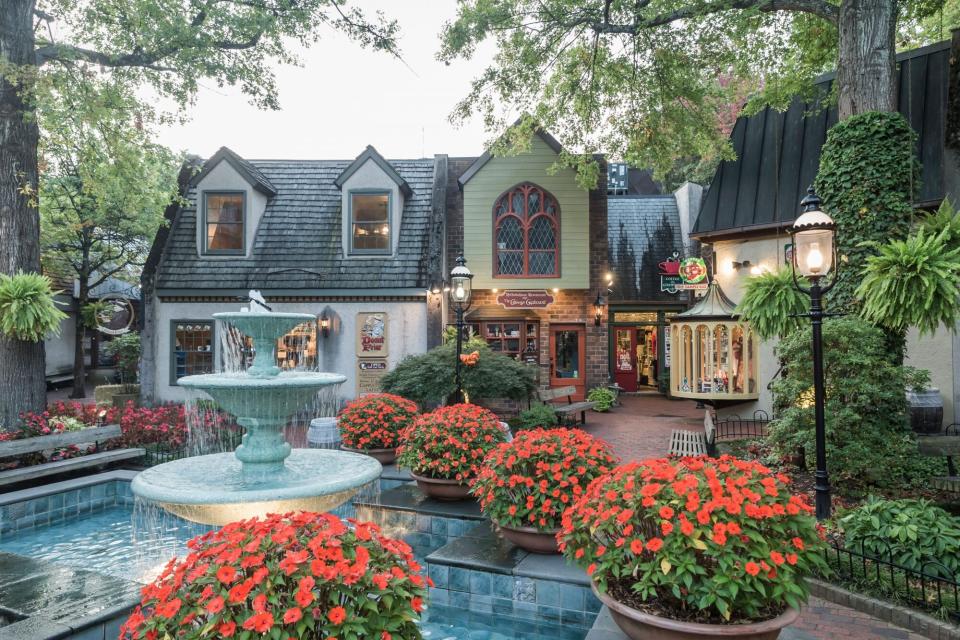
(568, 358)
(625, 357)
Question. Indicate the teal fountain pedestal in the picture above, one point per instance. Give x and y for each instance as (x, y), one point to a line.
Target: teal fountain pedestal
(264, 475)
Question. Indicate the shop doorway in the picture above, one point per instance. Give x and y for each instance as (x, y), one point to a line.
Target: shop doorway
(567, 358)
(637, 363)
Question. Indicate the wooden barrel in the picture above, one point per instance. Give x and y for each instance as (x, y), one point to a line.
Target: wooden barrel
(926, 411)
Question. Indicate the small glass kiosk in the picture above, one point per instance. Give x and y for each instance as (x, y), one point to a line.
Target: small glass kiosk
(713, 353)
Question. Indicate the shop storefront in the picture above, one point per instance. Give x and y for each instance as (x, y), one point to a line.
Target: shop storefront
(640, 347)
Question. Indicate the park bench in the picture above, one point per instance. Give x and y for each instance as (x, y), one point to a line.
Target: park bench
(943, 445)
(684, 443)
(90, 435)
(566, 412)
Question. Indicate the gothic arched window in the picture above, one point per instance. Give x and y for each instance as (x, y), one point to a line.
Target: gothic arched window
(526, 233)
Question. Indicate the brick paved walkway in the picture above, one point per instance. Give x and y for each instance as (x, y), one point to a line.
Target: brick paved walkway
(641, 427)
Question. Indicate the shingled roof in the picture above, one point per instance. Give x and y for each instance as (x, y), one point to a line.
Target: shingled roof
(301, 229)
(778, 153)
(642, 232)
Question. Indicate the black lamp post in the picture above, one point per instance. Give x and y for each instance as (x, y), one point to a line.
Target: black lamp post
(460, 279)
(813, 257)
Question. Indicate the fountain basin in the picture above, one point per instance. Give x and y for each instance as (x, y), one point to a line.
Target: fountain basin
(213, 489)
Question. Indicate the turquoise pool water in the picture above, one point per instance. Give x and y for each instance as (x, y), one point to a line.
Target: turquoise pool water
(103, 542)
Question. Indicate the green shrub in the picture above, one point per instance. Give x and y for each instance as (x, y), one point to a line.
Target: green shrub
(869, 441)
(429, 378)
(125, 350)
(602, 398)
(538, 415)
(914, 533)
(27, 308)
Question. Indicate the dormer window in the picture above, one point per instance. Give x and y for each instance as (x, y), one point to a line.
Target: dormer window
(224, 216)
(370, 222)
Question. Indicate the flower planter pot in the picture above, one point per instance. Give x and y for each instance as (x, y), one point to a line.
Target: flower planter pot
(383, 456)
(644, 626)
(442, 489)
(531, 539)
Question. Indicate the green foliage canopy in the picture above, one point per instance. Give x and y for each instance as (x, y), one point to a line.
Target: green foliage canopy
(428, 378)
(869, 441)
(27, 308)
(769, 301)
(126, 350)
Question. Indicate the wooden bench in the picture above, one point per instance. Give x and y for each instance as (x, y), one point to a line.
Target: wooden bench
(948, 446)
(685, 443)
(90, 435)
(569, 410)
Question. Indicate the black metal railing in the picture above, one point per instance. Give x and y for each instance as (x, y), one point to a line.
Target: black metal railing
(734, 427)
(932, 587)
(160, 452)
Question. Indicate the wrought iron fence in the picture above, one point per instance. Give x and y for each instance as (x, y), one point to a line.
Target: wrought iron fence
(932, 587)
(734, 427)
(160, 452)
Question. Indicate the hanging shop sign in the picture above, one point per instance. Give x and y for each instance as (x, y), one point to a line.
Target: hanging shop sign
(670, 274)
(525, 299)
(371, 335)
(369, 373)
(114, 315)
(693, 275)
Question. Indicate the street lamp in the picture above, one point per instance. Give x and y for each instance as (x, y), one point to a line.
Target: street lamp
(460, 289)
(814, 255)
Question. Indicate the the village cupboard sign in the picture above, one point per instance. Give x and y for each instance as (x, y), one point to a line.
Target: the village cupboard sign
(371, 335)
(525, 299)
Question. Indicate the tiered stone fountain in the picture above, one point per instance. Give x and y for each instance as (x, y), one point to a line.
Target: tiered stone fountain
(264, 475)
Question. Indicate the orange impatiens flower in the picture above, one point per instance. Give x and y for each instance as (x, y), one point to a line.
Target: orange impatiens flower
(354, 560)
(670, 528)
(375, 421)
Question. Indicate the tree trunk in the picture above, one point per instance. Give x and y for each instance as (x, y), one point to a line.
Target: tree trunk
(866, 73)
(79, 366)
(22, 375)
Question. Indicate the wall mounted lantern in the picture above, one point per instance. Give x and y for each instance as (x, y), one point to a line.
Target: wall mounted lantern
(324, 325)
(598, 305)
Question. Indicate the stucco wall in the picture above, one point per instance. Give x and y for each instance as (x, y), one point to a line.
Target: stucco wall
(370, 176)
(934, 353)
(406, 335)
(223, 177)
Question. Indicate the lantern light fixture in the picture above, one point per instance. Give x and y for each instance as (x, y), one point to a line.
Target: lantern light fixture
(324, 325)
(598, 305)
(813, 239)
(460, 289)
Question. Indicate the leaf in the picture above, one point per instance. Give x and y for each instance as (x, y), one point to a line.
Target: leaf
(699, 544)
(665, 566)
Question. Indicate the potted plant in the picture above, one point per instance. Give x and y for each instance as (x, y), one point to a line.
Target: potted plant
(444, 448)
(299, 575)
(372, 425)
(524, 486)
(695, 547)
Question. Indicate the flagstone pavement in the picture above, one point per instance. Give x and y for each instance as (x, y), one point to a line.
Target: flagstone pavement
(640, 428)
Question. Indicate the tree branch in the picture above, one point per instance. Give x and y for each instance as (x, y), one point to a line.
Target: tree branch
(820, 8)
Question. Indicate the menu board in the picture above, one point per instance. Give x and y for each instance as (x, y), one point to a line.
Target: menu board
(369, 373)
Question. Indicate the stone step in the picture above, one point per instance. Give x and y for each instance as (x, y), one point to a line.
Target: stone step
(481, 571)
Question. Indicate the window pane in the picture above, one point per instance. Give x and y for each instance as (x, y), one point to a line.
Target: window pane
(510, 263)
(510, 235)
(192, 348)
(542, 235)
(542, 264)
(224, 213)
(371, 222)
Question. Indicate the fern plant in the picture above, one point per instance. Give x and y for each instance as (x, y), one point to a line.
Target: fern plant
(771, 303)
(913, 282)
(27, 309)
(944, 220)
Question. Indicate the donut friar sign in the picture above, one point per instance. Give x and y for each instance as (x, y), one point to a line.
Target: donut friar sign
(372, 335)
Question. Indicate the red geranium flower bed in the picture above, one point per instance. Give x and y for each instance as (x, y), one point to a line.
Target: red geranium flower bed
(298, 575)
(699, 539)
(375, 421)
(450, 443)
(531, 481)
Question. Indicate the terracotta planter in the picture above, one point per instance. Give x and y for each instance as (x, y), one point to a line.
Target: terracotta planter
(644, 626)
(383, 456)
(442, 489)
(531, 539)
